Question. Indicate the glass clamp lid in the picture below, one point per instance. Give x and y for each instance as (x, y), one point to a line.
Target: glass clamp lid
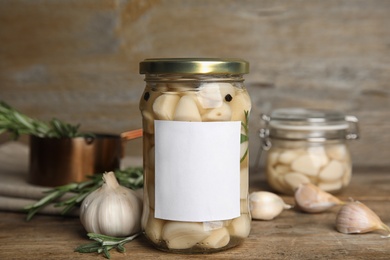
(309, 124)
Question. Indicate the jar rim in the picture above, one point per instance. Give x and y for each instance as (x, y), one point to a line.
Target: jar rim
(301, 124)
(194, 66)
(308, 116)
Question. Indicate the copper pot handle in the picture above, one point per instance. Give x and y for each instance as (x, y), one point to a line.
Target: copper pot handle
(133, 134)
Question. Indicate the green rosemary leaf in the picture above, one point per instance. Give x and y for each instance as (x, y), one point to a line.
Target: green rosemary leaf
(121, 248)
(131, 177)
(18, 124)
(106, 252)
(44, 201)
(105, 243)
(245, 137)
(88, 248)
(103, 238)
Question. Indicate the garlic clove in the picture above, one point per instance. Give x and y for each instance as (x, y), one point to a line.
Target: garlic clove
(307, 164)
(332, 172)
(148, 122)
(310, 198)
(240, 227)
(221, 113)
(266, 205)
(241, 102)
(355, 217)
(153, 227)
(288, 156)
(218, 238)
(183, 235)
(227, 89)
(294, 179)
(318, 154)
(164, 106)
(330, 186)
(244, 183)
(282, 169)
(187, 110)
(209, 96)
(338, 152)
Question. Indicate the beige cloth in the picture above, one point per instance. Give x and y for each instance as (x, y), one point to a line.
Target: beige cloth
(15, 192)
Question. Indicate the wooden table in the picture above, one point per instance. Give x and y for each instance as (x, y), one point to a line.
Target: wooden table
(293, 235)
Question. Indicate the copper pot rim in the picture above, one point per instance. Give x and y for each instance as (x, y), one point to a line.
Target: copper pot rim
(125, 136)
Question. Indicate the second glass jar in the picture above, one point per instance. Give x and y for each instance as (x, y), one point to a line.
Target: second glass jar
(195, 120)
(305, 145)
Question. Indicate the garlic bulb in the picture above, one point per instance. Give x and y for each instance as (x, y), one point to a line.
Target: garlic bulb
(111, 210)
(355, 217)
(266, 205)
(310, 198)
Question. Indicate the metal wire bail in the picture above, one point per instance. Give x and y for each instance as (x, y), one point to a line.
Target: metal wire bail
(354, 133)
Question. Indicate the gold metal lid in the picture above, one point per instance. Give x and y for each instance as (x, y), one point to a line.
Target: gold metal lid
(194, 66)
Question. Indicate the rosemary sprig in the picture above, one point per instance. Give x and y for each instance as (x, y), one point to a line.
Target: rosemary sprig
(131, 177)
(18, 124)
(245, 137)
(104, 244)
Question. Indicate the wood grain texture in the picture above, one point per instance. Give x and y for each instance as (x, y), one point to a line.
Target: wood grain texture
(78, 60)
(292, 235)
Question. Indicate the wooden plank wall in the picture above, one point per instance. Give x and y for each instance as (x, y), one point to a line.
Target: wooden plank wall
(78, 60)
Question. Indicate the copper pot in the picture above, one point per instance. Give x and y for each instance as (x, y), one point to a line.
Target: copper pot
(59, 161)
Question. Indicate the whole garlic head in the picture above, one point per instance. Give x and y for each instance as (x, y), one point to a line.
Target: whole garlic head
(266, 205)
(111, 210)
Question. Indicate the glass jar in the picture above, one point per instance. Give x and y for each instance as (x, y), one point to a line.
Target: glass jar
(195, 149)
(306, 145)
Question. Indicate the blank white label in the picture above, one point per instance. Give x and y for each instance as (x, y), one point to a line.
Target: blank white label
(197, 170)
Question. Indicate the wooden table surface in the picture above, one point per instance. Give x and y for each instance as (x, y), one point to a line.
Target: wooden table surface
(293, 235)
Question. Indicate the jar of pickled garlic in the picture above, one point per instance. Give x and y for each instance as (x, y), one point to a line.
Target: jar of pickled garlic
(195, 150)
(306, 145)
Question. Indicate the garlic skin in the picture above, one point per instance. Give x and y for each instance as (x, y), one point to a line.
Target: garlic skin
(266, 205)
(311, 199)
(111, 210)
(355, 217)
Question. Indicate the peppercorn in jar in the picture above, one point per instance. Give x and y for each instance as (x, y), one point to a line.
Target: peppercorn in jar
(195, 149)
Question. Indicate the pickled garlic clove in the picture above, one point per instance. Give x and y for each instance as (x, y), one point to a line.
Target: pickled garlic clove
(318, 154)
(164, 106)
(227, 91)
(355, 217)
(241, 102)
(294, 179)
(337, 152)
(218, 238)
(266, 205)
(183, 235)
(222, 113)
(306, 164)
(187, 110)
(331, 186)
(332, 172)
(244, 180)
(148, 122)
(240, 227)
(288, 156)
(209, 96)
(310, 198)
(153, 227)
